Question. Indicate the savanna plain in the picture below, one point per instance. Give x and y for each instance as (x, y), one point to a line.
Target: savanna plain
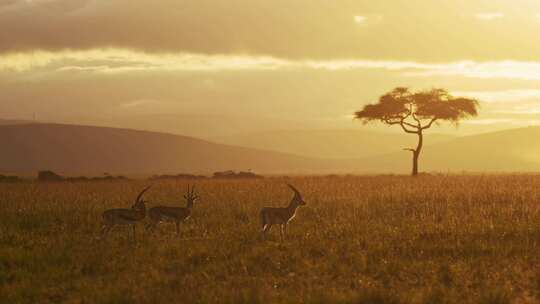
(365, 239)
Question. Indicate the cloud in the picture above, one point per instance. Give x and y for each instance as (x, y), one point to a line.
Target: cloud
(74, 68)
(8, 3)
(489, 16)
(123, 60)
(41, 6)
(118, 61)
(139, 102)
(507, 69)
(489, 121)
(336, 65)
(523, 103)
(360, 19)
(503, 96)
(302, 29)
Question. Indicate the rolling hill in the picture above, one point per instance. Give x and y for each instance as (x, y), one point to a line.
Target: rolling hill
(6, 122)
(515, 150)
(71, 149)
(200, 126)
(334, 144)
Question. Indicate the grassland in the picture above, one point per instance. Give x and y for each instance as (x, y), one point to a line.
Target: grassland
(387, 239)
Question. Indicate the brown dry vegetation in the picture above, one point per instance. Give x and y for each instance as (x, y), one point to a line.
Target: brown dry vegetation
(387, 239)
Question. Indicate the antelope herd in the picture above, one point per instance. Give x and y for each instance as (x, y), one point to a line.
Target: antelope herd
(137, 213)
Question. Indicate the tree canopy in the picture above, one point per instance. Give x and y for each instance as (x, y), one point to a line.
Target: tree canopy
(417, 111)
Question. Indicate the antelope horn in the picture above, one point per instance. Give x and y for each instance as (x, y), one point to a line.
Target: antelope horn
(141, 194)
(296, 192)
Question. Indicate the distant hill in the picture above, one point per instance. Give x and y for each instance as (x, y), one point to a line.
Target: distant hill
(516, 150)
(82, 150)
(337, 144)
(70, 149)
(6, 122)
(200, 126)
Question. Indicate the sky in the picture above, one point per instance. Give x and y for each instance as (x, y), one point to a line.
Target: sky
(313, 62)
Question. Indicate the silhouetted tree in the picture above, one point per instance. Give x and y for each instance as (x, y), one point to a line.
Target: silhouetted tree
(416, 112)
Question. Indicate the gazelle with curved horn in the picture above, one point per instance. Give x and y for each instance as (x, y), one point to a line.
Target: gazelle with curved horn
(116, 217)
(177, 215)
(281, 216)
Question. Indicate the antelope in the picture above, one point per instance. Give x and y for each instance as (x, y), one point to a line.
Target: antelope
(115, 217)
(281, 216)
(177, 215)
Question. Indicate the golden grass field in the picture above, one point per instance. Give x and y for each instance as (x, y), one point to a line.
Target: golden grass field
(380, 239)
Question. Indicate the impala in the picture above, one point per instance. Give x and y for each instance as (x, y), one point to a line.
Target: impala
(281, 216)
(177, 215)
(116, 217)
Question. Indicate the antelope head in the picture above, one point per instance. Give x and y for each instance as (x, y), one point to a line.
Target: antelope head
(190, 196)
(297, 196)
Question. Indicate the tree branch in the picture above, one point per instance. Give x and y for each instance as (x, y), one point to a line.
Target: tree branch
(410, 125)
(429, 124)
(403, 125)
(407, 130)
(416, 119)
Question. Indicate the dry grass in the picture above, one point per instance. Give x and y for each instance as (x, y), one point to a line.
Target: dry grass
(434, 239)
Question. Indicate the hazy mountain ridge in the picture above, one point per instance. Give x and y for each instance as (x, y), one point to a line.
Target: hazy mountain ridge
(7, 122)
(335, 144)
(514, 150)
(94, 150)
(205, 126)
(72, 149)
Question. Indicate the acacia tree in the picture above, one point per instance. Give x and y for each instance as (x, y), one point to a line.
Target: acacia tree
(415, 112)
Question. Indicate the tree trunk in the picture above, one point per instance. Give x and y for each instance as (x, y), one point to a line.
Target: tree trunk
(416, 153)
(415, 163)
